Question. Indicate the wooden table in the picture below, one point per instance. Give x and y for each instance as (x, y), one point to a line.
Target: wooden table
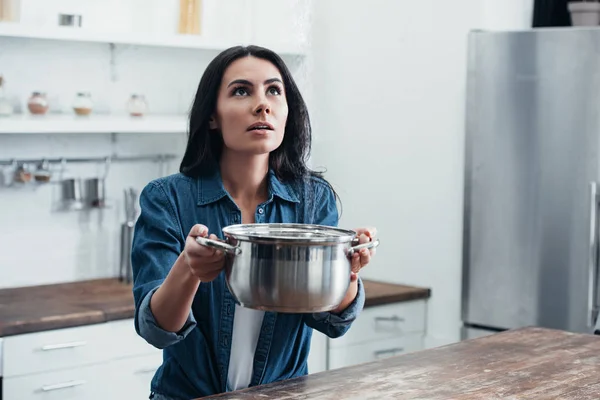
(532, 363)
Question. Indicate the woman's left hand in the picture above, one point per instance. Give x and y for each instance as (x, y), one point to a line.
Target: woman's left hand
(361, 258)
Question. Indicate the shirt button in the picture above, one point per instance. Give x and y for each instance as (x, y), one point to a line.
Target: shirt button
(260, 211)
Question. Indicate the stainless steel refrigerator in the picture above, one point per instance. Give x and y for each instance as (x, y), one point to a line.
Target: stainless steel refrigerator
(531, 181)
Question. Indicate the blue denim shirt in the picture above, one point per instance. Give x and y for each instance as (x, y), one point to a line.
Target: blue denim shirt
(196, 359)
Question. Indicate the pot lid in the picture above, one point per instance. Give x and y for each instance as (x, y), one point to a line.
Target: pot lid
(289, 232)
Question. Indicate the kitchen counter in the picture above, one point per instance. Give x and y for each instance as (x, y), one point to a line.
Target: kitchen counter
(41, 308)
(531, 363)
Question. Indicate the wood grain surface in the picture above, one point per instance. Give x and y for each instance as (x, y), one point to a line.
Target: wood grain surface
(530, 363)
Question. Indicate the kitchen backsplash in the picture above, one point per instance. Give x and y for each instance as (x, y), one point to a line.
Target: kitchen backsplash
(39, 245)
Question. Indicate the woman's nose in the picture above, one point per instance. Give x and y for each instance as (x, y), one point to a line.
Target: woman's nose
(262, 107)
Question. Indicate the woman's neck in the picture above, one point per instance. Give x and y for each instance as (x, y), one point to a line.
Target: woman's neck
(245, 177)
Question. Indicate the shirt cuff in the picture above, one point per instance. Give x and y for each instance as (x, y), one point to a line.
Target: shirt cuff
(349, 314)
(153, 333)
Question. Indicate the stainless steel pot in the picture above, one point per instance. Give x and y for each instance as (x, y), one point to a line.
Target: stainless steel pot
(295, 268)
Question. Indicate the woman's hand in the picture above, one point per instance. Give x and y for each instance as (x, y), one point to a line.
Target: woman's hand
(361, 258)
(204, 262)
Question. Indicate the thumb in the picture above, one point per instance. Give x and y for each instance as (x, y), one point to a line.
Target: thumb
(198, 230)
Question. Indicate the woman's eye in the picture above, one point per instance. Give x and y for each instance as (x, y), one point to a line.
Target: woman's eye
(240, 92)
(274, 90)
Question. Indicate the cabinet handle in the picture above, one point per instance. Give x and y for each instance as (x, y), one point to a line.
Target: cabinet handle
(146, 370)
(62, 385)
(69, 345)
(395, 350)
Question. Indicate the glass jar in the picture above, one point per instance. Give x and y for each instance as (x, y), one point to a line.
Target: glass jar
(83, 104)
(137, 106)
(38, 103)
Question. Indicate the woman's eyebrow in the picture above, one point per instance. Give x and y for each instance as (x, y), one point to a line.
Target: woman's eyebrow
(248, 83)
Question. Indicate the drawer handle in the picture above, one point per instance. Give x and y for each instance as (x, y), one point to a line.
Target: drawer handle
(394, 318)
(62, 385)
(146, 370)
(395, 350)
(69, 345)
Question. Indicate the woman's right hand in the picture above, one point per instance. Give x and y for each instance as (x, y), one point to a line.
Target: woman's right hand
(204, 262)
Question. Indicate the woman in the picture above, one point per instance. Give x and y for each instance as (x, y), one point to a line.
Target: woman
(245, 162)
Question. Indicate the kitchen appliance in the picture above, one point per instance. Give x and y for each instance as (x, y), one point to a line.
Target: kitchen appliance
(297, 268)
(1, 364)
(531, 181)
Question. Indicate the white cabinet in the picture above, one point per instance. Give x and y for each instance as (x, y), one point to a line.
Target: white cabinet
(72, 347)
(88, 383)
(380, 332)
(101, 361)
(374, 350)
(109, 360)
(130, 377)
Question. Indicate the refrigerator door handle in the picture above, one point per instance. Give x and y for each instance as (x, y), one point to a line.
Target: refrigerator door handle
(593, 258)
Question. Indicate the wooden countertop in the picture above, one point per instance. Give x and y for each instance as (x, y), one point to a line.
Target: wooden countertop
(41, 308)
(530, 363)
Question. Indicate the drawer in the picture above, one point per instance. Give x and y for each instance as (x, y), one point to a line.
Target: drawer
(131, 377)
(383, 322)
(87, 383)
(72, 347)
(373, 351)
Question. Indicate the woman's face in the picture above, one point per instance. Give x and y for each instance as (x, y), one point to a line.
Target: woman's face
(251, 107)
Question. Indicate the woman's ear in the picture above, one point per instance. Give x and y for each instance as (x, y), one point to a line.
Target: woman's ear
(212, 123)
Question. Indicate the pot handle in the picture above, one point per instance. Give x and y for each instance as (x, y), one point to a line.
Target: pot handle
(215, 244)
(369, 245)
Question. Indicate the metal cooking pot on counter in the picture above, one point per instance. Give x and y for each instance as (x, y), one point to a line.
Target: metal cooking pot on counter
(295, 268)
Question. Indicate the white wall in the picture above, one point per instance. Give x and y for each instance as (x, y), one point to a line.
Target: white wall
(39, 245)
(389, 83)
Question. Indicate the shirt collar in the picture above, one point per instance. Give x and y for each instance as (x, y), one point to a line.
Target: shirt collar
(211, 189)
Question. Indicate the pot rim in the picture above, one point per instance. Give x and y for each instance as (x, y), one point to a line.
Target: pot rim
(260, 232)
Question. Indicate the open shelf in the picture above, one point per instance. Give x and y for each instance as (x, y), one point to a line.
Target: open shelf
(16, 30)
(101, 123)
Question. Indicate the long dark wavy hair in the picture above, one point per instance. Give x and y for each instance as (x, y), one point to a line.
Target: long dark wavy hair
(204, 148)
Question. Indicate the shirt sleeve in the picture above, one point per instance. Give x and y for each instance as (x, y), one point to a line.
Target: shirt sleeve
(329, 323)
(157, 243)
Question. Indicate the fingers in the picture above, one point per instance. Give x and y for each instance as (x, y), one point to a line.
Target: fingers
(198, 230)
(196, 249)
(370, 232)
(355, 265)
(365, 257)
(362, 257)
(366, 235)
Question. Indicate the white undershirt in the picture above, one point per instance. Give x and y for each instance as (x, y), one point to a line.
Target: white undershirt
(246, 329)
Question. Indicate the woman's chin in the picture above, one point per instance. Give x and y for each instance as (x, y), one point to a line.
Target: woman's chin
(257, 148)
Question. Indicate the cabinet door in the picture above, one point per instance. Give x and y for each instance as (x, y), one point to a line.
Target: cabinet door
(89, 383)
